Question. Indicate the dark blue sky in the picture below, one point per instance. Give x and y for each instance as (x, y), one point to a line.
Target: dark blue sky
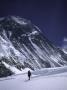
(49, 15)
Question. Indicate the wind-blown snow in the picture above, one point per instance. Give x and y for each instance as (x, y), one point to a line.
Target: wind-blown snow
(57, 81)
(19, 20)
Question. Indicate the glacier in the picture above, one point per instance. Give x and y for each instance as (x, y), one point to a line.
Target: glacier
(42, 80)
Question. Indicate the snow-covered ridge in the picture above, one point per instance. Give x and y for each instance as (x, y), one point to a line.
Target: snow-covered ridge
(19, 20)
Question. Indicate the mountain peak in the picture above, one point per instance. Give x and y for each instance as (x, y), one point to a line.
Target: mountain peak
(24, 46)
(17, 19)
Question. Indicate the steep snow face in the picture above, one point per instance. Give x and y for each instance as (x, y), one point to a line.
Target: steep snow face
(23, 45)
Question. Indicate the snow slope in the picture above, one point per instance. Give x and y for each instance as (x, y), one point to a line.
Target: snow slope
(57, 81)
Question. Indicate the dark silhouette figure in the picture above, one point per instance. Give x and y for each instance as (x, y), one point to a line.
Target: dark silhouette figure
(29, 74)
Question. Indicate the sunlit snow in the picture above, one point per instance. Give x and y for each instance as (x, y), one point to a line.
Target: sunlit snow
(42, 81)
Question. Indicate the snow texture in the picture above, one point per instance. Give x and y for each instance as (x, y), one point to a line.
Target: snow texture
(57, 81)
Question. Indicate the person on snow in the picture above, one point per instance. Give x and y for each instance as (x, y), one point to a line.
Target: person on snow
(29, 74)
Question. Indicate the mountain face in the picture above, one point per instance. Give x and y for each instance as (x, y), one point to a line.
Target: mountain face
(4, 71)
(23, 45)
